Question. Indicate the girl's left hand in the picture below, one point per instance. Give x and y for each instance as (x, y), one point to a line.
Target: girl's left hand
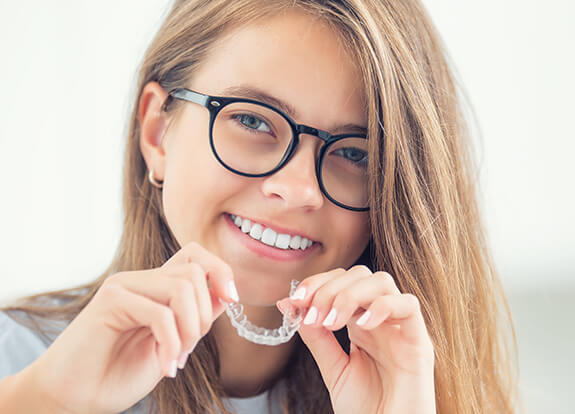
(389, 368)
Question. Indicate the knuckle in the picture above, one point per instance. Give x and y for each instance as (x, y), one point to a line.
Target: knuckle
(412, 300)
(345, 298)
(182, 286)
(362, 269)
(110, 288)
(386, 279)
(113, 278)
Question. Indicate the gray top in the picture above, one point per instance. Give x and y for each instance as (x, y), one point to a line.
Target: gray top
(20, 346)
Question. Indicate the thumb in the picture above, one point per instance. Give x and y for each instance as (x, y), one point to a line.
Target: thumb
(323, 345)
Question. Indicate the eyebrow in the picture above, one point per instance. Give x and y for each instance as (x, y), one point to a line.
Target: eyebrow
(251, 92)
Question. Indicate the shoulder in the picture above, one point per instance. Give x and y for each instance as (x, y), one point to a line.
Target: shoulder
(19, 345)
(23, 338)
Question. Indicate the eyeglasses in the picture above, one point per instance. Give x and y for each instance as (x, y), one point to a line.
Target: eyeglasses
(255, 139)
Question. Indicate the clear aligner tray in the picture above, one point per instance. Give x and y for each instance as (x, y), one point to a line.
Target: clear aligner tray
(290, 324)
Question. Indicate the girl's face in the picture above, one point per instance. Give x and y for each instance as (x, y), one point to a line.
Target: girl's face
(296, 59)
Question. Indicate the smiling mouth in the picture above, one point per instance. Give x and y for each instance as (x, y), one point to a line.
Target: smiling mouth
(270, 237)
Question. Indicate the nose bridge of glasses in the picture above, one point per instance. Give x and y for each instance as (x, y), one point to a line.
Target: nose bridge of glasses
(304, 129)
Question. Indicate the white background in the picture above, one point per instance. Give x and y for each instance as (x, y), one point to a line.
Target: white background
(67, 73)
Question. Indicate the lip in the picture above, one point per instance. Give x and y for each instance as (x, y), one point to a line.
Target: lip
(263, 250)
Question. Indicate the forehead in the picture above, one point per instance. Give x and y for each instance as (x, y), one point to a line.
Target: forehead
(293, 57)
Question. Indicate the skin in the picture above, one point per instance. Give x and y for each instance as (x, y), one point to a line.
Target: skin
(139, 323)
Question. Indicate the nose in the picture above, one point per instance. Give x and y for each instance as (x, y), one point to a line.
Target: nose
(296, 182)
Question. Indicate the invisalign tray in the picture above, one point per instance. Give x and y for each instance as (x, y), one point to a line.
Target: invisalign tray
(290, 324)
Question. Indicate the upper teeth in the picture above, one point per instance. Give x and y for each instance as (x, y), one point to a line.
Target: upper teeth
(269, 236)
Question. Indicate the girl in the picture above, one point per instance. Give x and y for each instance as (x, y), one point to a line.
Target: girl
(320, 141)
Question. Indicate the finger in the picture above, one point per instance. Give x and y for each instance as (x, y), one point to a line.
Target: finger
(357, 297)
(217, 306)
(327, 352)
(306, 289)
(162, 284)
(203, 300)
(219, 273)
(130, 310)
(185, 308)
(283, 304)
(403, 310)
(175, 288)
(324, 347)
(321, 310)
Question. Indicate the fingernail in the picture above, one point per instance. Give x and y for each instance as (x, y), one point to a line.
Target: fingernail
(173, 369)
(363, 318)
(311, 316)
(299, 293)
(232, 291)
(330, 318)
(182, 359)
(279, 306)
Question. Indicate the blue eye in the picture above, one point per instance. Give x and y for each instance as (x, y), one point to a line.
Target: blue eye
(252, 122)
(354, 155)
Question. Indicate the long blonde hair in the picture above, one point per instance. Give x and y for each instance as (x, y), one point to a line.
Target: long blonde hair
(426, 227)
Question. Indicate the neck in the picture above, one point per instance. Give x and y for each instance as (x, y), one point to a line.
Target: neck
(247, 369)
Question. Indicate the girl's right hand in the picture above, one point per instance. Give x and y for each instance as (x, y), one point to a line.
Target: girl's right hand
(133, 332)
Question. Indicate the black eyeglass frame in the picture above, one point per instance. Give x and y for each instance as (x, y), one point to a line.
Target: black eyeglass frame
(215, 104)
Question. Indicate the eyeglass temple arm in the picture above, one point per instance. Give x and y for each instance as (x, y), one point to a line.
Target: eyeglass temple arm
(187, 95)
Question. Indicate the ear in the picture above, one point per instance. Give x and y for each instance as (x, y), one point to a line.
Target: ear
(153, 122)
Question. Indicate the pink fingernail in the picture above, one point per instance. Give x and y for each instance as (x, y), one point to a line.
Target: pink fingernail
(363, 318)
(182, 359)
(298, 294)
(232, 291)
(173, 369)
(311, 316)
(330, 318)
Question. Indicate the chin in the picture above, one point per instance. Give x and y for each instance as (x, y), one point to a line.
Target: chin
(261, 290)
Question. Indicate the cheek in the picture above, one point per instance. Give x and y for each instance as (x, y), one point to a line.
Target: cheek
(196, 192)
(190, 173)
(353, 233)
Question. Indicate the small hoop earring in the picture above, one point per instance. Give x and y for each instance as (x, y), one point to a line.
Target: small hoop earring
(153, 181)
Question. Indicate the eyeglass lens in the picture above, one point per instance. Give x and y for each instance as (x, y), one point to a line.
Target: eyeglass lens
(253, 139)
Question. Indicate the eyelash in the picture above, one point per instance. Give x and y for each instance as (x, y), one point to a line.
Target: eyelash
(252, 130)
